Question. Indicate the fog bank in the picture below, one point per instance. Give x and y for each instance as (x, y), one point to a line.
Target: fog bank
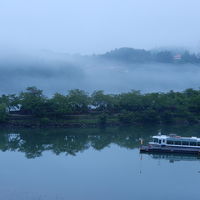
(60, 73)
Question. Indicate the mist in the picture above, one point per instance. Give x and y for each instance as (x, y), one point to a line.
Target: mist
(95, 27)
(90, 26)
(53, 72)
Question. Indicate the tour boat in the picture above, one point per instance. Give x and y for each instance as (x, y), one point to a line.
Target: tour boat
(172, 144)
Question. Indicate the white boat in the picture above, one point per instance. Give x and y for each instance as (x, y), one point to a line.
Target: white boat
(172, 144)
(173, 140)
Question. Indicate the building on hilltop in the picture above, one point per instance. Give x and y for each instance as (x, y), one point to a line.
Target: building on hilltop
(177, 57)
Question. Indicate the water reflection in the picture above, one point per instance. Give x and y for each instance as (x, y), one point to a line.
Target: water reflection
(72, 141)
(175, 157)
(87, 169)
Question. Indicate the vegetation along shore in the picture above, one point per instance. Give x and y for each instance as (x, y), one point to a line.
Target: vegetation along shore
(77, 108)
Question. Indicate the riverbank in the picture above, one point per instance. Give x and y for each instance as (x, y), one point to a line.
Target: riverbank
(80, 109)
(69, 121)
(78, 121)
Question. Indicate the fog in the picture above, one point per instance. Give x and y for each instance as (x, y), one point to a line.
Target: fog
(87, 27)
(53, 72)
(94, 27)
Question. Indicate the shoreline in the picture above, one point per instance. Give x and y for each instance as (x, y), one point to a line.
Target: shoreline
(74, 121)
(70, 121)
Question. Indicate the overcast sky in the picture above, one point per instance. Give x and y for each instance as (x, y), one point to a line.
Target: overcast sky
(96, 26)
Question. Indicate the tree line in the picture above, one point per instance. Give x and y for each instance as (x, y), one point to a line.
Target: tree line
(130, 107)
(130, 55)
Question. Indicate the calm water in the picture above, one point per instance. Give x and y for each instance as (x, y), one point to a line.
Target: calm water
(93, 164)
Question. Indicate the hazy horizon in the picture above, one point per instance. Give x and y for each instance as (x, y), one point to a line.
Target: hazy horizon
(94, 27)
(38, 39)
(60, 73)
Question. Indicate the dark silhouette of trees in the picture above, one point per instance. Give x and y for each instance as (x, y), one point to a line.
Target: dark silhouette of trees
(164, 57)
(33, 102)
(3, 113)
(130, 55)
(130, 107)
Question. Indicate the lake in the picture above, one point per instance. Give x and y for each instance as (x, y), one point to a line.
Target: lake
(94, 164)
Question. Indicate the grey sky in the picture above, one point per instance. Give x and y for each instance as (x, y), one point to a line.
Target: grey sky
(96, 26)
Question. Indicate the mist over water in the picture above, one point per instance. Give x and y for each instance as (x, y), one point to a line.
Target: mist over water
(61, 72)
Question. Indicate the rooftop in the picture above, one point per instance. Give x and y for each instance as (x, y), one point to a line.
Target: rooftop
(175, 138)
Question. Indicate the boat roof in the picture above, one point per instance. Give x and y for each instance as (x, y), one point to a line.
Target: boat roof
(177, 138)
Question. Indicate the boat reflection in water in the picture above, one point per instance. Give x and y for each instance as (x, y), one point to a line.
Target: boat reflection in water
(175, 157)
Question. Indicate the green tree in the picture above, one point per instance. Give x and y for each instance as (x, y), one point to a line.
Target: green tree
(104, 102)
(59, 105)
(11, 101)
(131, 101)
(3, 113)
(78, 101)
(33, 102)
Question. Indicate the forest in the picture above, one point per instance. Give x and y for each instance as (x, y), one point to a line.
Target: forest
(132, 107)
(131, 55)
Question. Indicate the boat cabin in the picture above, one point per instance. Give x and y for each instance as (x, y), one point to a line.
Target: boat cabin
(174, 140)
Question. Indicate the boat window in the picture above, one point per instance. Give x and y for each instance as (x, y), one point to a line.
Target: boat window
(169, 142)
(163, 141)
(185, 143)
(192, 143)
(155, 140)
(198, 144)
(159, 141)
(177, 142)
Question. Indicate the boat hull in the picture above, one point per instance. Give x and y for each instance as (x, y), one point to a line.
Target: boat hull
(167, 149)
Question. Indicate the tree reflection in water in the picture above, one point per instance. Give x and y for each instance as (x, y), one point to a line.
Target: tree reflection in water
(72, 141)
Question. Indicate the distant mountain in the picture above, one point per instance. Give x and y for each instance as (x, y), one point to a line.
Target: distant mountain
(130, 55)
